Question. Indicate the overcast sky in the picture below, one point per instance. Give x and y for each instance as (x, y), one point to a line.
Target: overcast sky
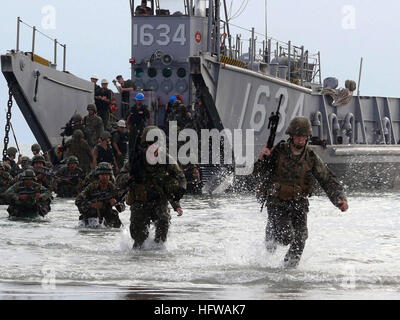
(97, 34)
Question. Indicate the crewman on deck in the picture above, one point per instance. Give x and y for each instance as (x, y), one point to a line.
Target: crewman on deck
(93, 126)
(152, 188)
(103, 103)
(120, 138)
(137, 121)
(27, 198)
(125, 88)
(285, 176)
(70, 178)
(143, 9)
(96, 201)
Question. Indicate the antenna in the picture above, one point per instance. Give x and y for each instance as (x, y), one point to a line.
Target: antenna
(359, 77)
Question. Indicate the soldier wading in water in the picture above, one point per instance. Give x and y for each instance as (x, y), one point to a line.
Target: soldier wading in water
(285, 176)
(96, 202)
(152, 187)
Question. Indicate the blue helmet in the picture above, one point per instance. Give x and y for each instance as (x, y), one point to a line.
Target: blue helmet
(140, 97)
(173, 99)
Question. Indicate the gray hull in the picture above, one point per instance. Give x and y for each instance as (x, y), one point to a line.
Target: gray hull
(368, 154)
(361, 138)
(46, 97)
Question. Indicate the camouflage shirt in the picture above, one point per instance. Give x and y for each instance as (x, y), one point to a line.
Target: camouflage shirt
(12, 194)
(292, 177)
(88, 195)
(93, 129)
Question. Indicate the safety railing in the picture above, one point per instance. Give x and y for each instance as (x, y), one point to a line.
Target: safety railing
(302, 66)
(35, 31)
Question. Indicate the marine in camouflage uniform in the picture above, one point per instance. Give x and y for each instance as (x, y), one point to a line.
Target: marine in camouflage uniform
(39, 167)
(70, 179)
(28, 199)
(90, 203)
(152, 188)
(11, 154)
(78, 147)
(285, 179)
(5, 183)
(93, 126)
(25, 164)
(35, 148)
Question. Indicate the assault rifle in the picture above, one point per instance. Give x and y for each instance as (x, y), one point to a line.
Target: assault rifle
(26, 191)
(31, 193)
(103, 196)
(272, 126)
(68, 129)
(73, 179)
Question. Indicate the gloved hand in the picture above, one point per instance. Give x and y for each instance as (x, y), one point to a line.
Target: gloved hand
(179, 194)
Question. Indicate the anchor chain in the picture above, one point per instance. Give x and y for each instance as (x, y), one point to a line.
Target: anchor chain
(8, 124)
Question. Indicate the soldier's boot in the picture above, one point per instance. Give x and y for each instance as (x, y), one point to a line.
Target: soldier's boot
(270, 242)
(112, 220)
(139, 234)
(161, 231)
(293, 256)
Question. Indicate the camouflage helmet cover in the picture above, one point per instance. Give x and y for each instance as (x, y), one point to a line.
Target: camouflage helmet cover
(72, 159)
(35, 147)
(300, 126)
(77, 117)
(103, 168)
(105, 135)
(12, 151)
(28, 175)
(78, 134)
(38, 158)
(25, 161)
(92, 107)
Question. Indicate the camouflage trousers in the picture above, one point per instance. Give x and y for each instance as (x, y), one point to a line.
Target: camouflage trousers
(65, 190)
(109, 216)
(29, 211)
(287, 225)
(141, 217)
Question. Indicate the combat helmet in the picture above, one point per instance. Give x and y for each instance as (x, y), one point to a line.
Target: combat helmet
(103, 168)
(300, 126)
(105, 135)
(78, 134)
(72, 159)
(28, 175)
(25, 161)
(77, 117)
(35, 147)
(92, 107)
(12, 151)
(38, 158)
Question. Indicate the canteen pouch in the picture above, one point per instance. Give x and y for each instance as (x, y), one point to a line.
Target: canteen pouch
(137, 194)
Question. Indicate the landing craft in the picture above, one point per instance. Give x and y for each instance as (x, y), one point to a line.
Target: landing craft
(187, 53)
